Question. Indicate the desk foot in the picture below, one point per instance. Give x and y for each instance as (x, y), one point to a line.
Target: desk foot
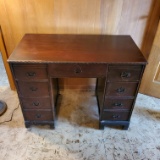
(101, 126)
(124, 124)
(29, 123)
(125, 127)
(52, 126)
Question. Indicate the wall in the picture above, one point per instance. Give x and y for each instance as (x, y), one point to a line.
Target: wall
(131, 17)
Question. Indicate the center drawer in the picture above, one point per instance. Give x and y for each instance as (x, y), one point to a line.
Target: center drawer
(77, 70)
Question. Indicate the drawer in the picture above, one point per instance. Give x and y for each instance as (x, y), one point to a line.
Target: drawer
(33, 89)
(121, 89)
(115, 116)
(36, 103)
(30, 72)
(38, 115)
(118, 104)
(77, 70)
(124, 73)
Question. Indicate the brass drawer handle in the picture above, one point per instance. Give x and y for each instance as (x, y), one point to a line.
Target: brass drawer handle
(125, 74)
(33, 89)
(31, 74)
(118, 104)
(121, 90)
(116, 116)
(38, 115)
(36, 104)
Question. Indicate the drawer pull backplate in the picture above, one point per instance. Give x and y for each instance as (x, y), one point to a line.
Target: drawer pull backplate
(33, 89)
(118, 104)
(121, 90)
(116, 116)
(31, 74)
(125, 74)
(35, 103)
(38, 115)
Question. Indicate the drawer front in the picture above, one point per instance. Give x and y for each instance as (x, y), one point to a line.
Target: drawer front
(38, 115)
(115, 116)
(77, 70)
(117, 104)
(36, 103)
(31, 72)
(33, 89)
(121, 89)
(124, 73)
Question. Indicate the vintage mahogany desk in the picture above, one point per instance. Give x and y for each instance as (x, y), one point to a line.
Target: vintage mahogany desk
(40, 59)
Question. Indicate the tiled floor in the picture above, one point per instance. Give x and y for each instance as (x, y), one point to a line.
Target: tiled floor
(76, 136)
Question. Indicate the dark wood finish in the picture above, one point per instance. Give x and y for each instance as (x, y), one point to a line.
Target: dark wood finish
(117, 104)
(115, 115)
(120, 89)
(124, 124)
(77, 70)
(39, 60)
(36, 103)
(120, 95)
(29, 123)
(38, 115)
(30, 72)
(33, 89)
(100, 92)
(124, 73)
(42, 48)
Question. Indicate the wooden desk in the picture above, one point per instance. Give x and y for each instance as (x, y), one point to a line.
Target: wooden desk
(40, 59)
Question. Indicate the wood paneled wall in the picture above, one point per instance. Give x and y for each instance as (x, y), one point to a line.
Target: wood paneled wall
(131, 17)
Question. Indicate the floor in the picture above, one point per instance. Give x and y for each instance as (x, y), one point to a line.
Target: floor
(3, 75)
(76, 136)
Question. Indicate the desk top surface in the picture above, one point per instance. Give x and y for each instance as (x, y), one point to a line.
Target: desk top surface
(54, 48)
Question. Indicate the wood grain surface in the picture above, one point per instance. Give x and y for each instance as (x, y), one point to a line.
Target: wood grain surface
(55, 48)
(138, 18)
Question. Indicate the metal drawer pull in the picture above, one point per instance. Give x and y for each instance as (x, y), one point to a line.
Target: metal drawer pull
(77, 70)
(35, 103)
(116, 116)
(31, 74)
(125, 74)
(120, 90)
(118, 104)
(38, 115)
(33, 89)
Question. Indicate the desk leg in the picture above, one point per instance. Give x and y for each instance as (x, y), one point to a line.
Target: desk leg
(100, 93)
(27, 124)
(101, 126)
(52, 126)
(123, 124)
(54, 90)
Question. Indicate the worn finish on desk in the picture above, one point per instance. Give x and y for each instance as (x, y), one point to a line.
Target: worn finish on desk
(40, 59)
